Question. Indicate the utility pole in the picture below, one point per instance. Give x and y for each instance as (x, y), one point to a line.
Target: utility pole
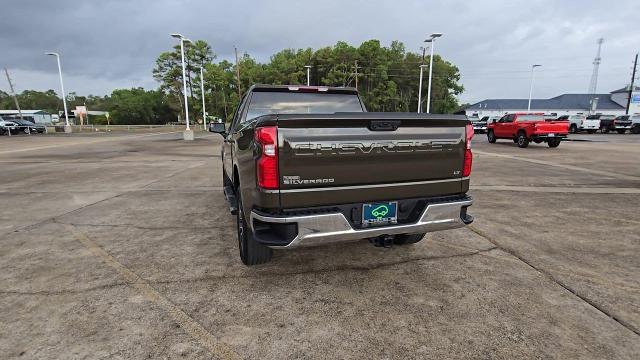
(356, 73)
(13, 92)
(238, 73)
(633, 77)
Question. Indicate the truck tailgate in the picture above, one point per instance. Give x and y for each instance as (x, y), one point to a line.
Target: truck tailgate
(344, 158)
(552, 127)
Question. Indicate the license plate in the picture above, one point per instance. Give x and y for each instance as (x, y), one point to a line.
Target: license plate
(551, 135)
(380, 213)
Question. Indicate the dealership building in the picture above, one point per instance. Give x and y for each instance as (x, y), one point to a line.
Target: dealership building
(36, 116)
(613, 103)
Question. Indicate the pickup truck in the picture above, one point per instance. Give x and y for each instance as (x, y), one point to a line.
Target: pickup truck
(606, 121)
(621, 124)
(309, 166)
(579, 123)
(523, 128)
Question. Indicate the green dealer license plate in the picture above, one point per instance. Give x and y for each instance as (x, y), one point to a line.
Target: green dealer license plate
(380, 213)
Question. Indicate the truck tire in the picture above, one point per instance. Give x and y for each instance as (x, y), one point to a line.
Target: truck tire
(604, 130)
(591, 131)
(553, 143)
(522, 140)
(635, 129)
(573, 129)
(621, 131)
(491, 137)
(251, 252)
(406, 239)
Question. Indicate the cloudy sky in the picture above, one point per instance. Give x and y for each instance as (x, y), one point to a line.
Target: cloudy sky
(107, 44)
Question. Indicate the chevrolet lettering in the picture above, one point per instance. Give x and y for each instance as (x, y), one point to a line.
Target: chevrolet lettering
(302, 149)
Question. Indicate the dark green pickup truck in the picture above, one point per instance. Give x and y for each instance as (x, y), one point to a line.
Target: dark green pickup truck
(309, 166)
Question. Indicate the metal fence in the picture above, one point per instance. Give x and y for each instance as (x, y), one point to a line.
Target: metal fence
(126, 128)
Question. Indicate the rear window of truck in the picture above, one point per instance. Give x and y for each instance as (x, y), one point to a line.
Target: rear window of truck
(265, 103)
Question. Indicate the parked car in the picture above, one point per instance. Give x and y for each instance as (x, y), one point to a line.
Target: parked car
(635, 124)
(523, 128)
(579, 123)
(7, 127)
(308, 166)
(606, 121)
(621, 124)
(29, 127)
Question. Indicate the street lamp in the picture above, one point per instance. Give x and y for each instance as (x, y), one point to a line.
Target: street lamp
(308, 74)
(67, 127)
(432, 40)
(531, 86)
(188, 133)
(204, 110)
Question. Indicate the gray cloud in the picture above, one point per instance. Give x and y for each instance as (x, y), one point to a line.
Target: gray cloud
(114, 43)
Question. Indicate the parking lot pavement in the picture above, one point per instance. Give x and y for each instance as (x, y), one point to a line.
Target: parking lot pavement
(124, 248)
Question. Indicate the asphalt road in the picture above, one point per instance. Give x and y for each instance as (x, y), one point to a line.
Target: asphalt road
(121, 246)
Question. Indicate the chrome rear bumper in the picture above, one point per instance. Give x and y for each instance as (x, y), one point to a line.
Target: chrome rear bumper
(323, 229)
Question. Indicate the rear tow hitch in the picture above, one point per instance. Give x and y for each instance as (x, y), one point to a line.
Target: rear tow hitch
(382, 241)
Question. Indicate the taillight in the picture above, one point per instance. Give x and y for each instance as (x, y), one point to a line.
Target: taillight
(267, 164)
(468, 156)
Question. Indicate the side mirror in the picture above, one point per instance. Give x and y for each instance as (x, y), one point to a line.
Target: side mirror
(218, 128)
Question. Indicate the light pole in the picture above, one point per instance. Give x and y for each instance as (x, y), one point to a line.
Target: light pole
(67, 127)
(204, 110)
(432, 40)
(420, 90)
(308, 74)
(188, 133)
(531, 86)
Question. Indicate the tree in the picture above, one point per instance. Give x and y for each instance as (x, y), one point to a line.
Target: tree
(168, 71)
(139, 106)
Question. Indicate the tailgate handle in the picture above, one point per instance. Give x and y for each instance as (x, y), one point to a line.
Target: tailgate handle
(384, 125)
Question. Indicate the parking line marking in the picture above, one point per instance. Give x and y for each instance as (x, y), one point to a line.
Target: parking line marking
(564, 166)
(85, 142)
(557, 189)
(193, 328)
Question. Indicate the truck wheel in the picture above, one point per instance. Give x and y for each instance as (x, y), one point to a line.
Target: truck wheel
(591, 131)
(522, 140)
(405, 239)
(621, 131)
(604, 130)
(251, 252)
(491, 137)
(573, 128)
(553, 143)
(635, 129)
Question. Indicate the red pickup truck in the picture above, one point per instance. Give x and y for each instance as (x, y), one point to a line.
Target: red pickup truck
(523, 128)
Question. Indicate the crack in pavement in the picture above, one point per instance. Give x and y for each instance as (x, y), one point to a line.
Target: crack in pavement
(122, 192)
(254, 275)
(559, 282)
(187, 323)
